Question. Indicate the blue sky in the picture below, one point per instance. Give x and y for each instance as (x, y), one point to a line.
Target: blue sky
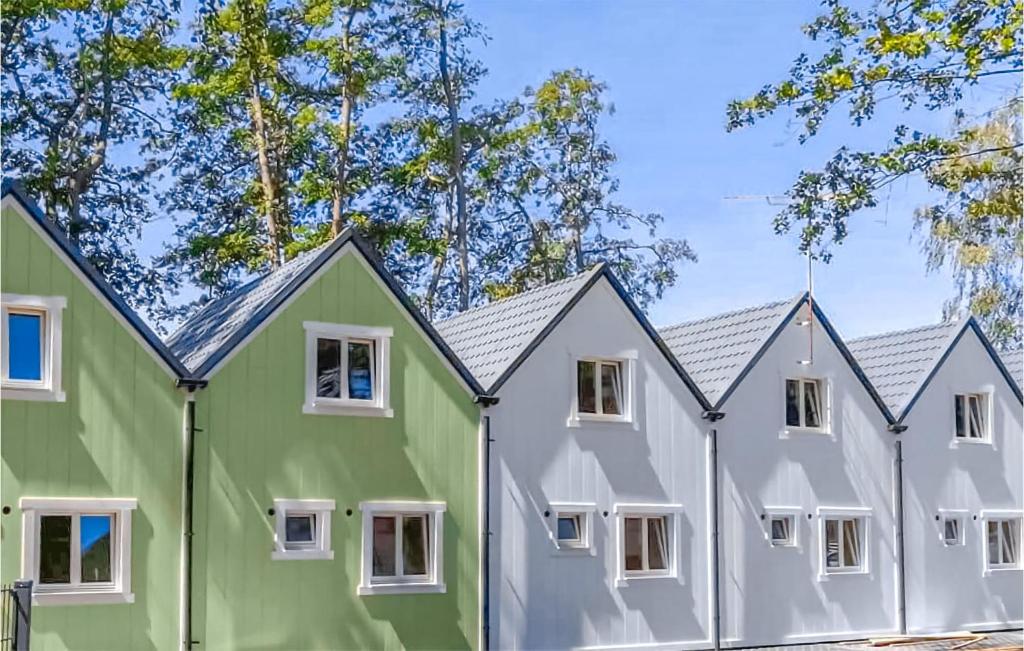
(671, 68)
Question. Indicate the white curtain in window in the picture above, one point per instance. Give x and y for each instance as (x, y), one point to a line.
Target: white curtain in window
(812, 404)
(657, 544)
(611, 388)
(851, 543)
(1010, 542)
(977, 417)
(832, 543)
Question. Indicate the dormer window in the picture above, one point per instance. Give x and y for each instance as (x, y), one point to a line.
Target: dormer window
(603, 389)
(971, 415)
(347, 369)
(31, 347)
(805, 404)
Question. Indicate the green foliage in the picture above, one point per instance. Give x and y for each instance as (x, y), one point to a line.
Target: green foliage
(927, 53)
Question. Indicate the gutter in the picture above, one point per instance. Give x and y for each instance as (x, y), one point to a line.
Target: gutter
(485, 531)
(901, 577)
(188, 508)
(713, 416)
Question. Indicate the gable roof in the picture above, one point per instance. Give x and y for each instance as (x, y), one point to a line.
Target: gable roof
(901, 364)
(1013, 360)
(725, 347)
(92, 278)
(495, 339)
(210, 335)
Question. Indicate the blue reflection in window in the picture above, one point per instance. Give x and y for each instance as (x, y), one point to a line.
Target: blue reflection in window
(25, 346)
(360, 357)
(96, 547)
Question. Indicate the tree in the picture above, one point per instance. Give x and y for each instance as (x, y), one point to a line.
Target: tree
(81, 80)
(921, 53)
(553, 186)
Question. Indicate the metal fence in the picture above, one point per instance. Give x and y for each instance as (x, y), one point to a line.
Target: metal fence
(16, 611)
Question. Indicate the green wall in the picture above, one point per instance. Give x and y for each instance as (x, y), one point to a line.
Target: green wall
(117, 435)
(257, 445)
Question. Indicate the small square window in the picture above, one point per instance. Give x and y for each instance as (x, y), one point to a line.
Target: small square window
(31, 347)
(805, 404)
(402, 547)
(347, 369)
(302, 530)
(971, 415)
(952, 529)
(570, 526)
(78, 550)
(602, 389)
(1002, 538)
(782, 530)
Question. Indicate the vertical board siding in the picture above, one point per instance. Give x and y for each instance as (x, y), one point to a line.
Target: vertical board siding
(257, 445)
(118, 434)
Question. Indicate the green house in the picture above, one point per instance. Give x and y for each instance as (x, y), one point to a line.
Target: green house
(337, 465)
(91, 423)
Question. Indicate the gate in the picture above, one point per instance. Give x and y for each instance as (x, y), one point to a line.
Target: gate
(16, 611)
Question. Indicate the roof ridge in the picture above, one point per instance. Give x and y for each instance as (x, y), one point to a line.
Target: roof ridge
(722, 315)
(474, 310)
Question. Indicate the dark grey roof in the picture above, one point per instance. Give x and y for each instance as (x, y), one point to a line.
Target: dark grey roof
(716, 349)
(897, 363)
(218, 328)
(490, 338)
(1013, 360)
(118, 304)
(215, 323)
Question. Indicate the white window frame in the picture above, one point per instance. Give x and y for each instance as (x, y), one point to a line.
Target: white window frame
(320, 549)
(673, 514)
(862, 514)
(585, 512)
(119, 590)
(960, 515)
(49, 388)
(627, 364)
(434, 580)
(986, 395)
(1000, 516)
(825, 406)
(792, 513)
(380, 405)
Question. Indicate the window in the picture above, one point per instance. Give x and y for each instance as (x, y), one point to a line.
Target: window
(603, 390)
(31, 347)
(804, 404)
(951, 525)
(781, 530)
(1002, 538)
(843, 537)
(78, 550)
(302, 530)
(347, 369)
(571, 527)
(971, 415)
(402, 547)
(646, 541)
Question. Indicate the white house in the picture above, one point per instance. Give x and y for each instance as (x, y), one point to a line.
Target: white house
(806, 465)
(963, 472)
(598, 487)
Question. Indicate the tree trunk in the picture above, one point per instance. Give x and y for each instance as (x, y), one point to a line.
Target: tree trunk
(268, 179)
(340, 191)
(461, 225)
(440, 261)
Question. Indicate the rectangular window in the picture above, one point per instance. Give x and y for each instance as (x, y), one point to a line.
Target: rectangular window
(347, 369)
(843, 545)
(30, 347)
(302, 529)
(401, 547)
(1003, 543)
(971, 415)
(804, 404)
(782, 530)
(952, 530)
(78, 550)
(646, 549)
(601, 388)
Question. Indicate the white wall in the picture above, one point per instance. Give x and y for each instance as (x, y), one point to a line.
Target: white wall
(946, 586)
(541, 599)
(773, 595)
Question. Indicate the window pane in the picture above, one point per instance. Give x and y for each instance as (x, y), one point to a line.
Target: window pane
(96, 540)
(569, 528)
(657, 544)
(360, 381)
(952, 531)
(25, 346)
(993, 543)
(1010, 542)
(328, 368)
(792, 403)
(812, 405)
(634, 544)
(958, 404)
(55, 549)
(831, 543)
(299, 528)
(611, 388)
(851, 543)
(414, 544)
(780, 530)
(383, 546)
(585, 387)
(977, 417)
